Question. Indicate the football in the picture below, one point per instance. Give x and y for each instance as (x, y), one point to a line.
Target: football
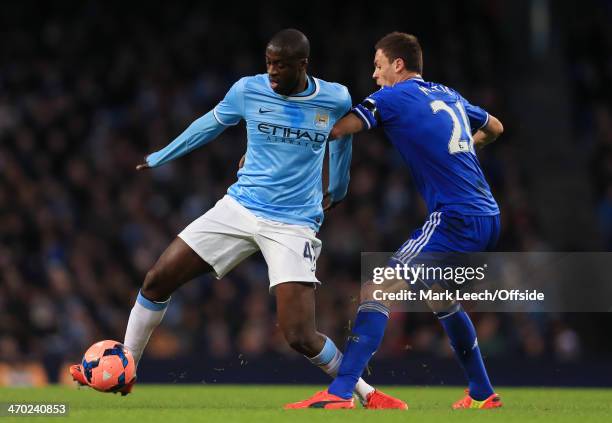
(108, 365)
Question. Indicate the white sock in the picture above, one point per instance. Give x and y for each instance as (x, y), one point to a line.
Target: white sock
(329, 360)
(144, 318)
(363, 389)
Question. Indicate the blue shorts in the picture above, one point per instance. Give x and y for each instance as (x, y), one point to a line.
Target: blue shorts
(443, 235)
(445, 232)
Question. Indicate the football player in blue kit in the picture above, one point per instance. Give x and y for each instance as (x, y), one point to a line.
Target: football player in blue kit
(436, 132)
(274, 207)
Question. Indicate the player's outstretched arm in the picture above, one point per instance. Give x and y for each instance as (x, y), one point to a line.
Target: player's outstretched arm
(200, 132)
(488, 133)
(348, 125)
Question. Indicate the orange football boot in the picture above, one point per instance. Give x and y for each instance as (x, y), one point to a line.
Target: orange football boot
(324, 400)
(378, 400)
(77, 375)
(493, 401)
(81, 380)
(127, 389)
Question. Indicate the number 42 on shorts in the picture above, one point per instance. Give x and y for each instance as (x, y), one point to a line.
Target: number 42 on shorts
(309, 253)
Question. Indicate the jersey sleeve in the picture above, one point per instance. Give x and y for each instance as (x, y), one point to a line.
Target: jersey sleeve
(477, 116)
(347, 102)
(199, 133)
(231, 109)
(369, 110)
(340, 153)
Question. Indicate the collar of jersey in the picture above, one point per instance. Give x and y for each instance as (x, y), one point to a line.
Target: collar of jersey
(415, 78)
(310, 92)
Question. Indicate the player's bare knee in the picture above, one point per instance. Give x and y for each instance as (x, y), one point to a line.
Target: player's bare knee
(442, 305)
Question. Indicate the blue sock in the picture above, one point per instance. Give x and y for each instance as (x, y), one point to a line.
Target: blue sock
(462, 335)
(367, 334)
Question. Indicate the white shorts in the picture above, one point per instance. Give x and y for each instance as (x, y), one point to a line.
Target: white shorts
(228, 233)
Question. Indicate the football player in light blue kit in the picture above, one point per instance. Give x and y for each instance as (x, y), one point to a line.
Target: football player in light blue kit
(435, 130)
(275, 206)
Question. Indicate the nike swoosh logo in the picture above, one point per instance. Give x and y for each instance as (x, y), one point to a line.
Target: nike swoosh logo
(322, 404)
(262, 111)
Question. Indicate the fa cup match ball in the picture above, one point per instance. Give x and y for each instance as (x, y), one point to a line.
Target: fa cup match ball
(108, 366)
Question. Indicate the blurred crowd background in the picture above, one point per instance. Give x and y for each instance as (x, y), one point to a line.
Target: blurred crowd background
(87, 89)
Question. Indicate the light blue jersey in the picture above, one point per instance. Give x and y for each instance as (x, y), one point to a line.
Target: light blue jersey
(287, 136)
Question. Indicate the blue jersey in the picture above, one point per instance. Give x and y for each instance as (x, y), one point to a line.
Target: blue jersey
(431, 126)
(281, 178)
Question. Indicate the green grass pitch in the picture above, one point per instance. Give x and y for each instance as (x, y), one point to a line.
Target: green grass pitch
(229, 403)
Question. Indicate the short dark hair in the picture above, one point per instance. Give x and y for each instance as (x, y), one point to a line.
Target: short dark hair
(292, 43)
(399, 45)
